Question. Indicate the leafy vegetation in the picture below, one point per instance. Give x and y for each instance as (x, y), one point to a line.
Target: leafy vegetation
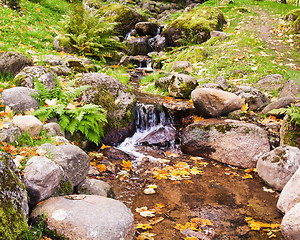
(87, 119)
(89, 34)
(293, 113)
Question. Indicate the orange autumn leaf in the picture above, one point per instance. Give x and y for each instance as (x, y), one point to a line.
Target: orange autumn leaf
(126, 165)
(197, 119)
(168, 100)
(202, 222)
(101, 167)
(144, 226)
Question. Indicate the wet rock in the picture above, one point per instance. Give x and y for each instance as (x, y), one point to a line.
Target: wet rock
(146, 28)
(181, 85)
(116, 154)
(182, 66)
(9, 132)
(225, 141)
(138, 45)
(158, 43)
(290, 89)
(13, 200)
(74, 161)
(221, 81)
(278, 166)
(28, 123)
(163, 82)
(213, 103)
(253, 97)
(19, 99)
(45, 75)
(125, 16)
(44, 178)
(87, 217)
(270, 82)
(163, 136)
(53, 129)
(289, 133)
(290, 225)
(116, 99)
(135, 60)
(190, 25)
(290, 194)
(92, 186)
(279, 103)
(12, 63)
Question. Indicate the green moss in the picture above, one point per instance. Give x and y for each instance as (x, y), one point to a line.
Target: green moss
(65, 188)
(127, 17)
(12, 223)
(193, 54)
(293, 15)
(224, 128)
(64, 41)
(199, 20)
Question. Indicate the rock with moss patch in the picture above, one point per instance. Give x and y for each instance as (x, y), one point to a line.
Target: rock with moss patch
(194, 25)
(290, 194)
(290, 225)
(87, 217)
(181, 85)
(138, 45)
(45, 75)
(44, 178)
(74, 161)
(116, 98)
(289, 133)
(91, 186)
(12, 63)
(278, 166)
(13, 200)
(211, 102)
(194, 54)
(182, 66)
(62, 44)
(227, 141)
(125, 16)
(20, 99)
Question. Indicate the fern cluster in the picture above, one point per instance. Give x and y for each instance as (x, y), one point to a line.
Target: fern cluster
(88, 119)
(293, 113)
(90, 34)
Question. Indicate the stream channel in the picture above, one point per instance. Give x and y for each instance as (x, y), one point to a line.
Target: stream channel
(222, 194)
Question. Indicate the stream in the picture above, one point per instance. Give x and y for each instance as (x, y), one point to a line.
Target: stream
(223, 196)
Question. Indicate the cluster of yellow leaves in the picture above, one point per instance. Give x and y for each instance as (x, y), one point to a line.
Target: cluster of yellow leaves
(195, 224)
(197, 119)
(180, 171)
(256, 225)
(126, 165)
(270, 119)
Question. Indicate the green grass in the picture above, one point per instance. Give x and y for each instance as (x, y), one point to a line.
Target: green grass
(31, 30)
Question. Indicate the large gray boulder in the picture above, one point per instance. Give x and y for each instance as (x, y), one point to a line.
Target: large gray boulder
(13, 200)
(87, 217)
(253, 97)
(91, 186)
(12, 63)
(28, 123)
(211, 102)
(44, 178)
(226, 141)
(278, 166)
(53, 129)
(270, 82)
(74, 161)
(290, 225)
(19, 99)
(181, 85)
(116, 99)
(44, 74)
(290, 194)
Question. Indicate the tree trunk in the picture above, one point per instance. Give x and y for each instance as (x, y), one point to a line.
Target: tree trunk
(283, 1)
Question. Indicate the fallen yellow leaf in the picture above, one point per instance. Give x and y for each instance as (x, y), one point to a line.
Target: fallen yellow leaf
(144, 226)
(126, 165)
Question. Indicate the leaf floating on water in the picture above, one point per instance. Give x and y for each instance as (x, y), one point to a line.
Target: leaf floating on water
(191, 238)
(144, 212)
(256, 225)
(154, 221)
(202, 222)
(247, 176)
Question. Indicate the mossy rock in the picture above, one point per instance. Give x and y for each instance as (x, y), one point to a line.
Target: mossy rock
(125, 16)
(289, 133)
(13, 201)
(192, 54)
(194, 26)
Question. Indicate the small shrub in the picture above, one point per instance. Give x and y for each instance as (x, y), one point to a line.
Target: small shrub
(293, 113)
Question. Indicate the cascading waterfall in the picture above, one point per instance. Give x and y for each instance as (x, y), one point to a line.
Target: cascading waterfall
(149, 119)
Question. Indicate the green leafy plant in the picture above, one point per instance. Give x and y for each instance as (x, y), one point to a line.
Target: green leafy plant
(87, 119)
(90, 34)
(293, 113)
